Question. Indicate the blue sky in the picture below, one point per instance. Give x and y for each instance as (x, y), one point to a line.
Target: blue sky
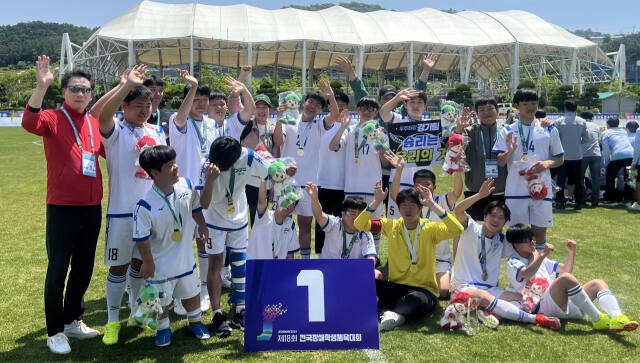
(612, 16)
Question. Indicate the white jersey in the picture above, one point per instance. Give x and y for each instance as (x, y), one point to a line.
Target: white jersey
(332, 163)
(231, 126)
(360, 178)
(306, 135)
(544, 143)
(360, 245)
(467, 268)
(269, 240)
(406, 181)
(247, 166)
(153, 221)
(547, 271)
(443, 248)
(190, 143)
(126, 184)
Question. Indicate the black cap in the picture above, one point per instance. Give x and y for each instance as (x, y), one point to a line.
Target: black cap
(386, 89)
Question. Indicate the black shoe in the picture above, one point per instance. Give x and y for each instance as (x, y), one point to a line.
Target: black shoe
(559, 206)
(219, 326)
(238, 320)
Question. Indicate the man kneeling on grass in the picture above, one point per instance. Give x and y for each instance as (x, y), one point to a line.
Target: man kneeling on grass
(412, 290)
(557, 292)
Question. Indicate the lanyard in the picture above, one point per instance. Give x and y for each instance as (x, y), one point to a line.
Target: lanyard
(413, 249)
(346, 250)
(483, 257)
(202, 136)
(525, 143)
(484, 148)
(356, 147)
(224, 127)
(232, 181)
(164, 196)
(266, 135)
(75, 132)
(306, 134)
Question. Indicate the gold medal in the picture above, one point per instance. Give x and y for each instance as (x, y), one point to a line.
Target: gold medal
(525, 158)
(485, 276)
(356, 160)
(176, 236)
(300, 152)
(413, 268)
(231, 209)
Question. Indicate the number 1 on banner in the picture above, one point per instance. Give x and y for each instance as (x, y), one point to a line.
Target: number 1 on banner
(314, 280)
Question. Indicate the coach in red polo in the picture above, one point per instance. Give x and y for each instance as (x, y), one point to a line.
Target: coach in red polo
(72, 141)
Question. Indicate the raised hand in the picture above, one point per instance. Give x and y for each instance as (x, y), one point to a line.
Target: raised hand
(344, 119)
(393, 159)
(464, 120)
(426, 197)
(136, 75)
(124, 76)
(570, 245)
(184, 74)
(311, 189)
(378, 193)
(212, 171)
(486, 188)
(512, 142)
(280, 110)
(407, 93)
(429, 61)
(234, 85)
(44, 76)
(345, 65)
(546, 122)
(325, 88)
(548, 248)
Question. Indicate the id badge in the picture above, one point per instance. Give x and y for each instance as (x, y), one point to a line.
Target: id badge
(88, 164)
(491, 169)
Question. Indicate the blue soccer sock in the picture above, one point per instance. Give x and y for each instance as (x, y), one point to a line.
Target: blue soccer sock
(238, 261)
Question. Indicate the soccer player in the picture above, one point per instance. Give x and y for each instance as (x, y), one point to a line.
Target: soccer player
(412, 290)
(164, 223)
(477, 263)
(342, 240)
(427, 179)
(158, 117)
(527, 142)
(273, 235)
(128, 182)
(302, 143)
(221, 183)
(564, 297)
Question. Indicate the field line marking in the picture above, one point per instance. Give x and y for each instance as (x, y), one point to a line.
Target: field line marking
(375, 356)
(36, 143)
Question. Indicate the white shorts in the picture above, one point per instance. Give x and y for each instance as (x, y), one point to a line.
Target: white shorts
(529, 211)
(119, 246)
(443, 257)
(184, 287)
(494, 291)
(304, 206)
(218, 239)
(549, 307)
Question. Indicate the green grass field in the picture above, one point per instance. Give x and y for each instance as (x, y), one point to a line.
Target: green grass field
(607, 248)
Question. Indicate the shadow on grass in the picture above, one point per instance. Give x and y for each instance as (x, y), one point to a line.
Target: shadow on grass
(134, 343)
(569, 327)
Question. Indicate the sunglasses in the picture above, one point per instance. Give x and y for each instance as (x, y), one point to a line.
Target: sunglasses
(81, 89)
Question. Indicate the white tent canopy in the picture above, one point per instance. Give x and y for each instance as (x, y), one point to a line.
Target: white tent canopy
(484, 43)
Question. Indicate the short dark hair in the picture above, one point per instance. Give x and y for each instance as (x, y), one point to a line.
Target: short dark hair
(570, 105)
(486, 101)
(500, 205)
(140, 91)
(631, 126)
(368, 101)
(408, 195)
(423, 96)
(218, 95)
(613, 121)
(520, 233)
(341, 96)
(424, 173)
(316, 96)
(75, 73)
(224, 152)
(203, 89)
(524, 95)
(587, 115)
(540, 113)
(353, 202)
(152, 80)
(153, 158)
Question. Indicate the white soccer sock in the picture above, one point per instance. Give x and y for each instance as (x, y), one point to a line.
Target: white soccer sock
(509, 311)
(305, 253)
(135, 282)
(203, 266)
(163, 324)
(609, 303)
(579, 297)
(115, 289)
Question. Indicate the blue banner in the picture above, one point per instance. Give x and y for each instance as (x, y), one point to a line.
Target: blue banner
(310, 305)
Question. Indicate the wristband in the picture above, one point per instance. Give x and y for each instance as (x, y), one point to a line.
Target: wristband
(369, 209)
(33, 109)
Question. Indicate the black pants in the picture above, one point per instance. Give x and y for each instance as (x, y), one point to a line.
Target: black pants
(570, 171)
(412, 302)
(252, 201)
(610, 178)
(331, 202)
(72, 235)
(475, 211)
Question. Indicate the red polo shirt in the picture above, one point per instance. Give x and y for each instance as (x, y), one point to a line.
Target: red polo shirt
(66, 185)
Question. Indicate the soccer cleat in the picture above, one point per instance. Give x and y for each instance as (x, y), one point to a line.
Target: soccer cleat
(225, 275)
(111, 332)
(391, 320)
(634, 206)
(603, 323)
(199, 330)
(487, 319)
(238, 320)
(77, 329)
(178, 309)
(219, 325)
(622, 323)
(59, 344)
(205, 302)
(550, 322)
(163, 337)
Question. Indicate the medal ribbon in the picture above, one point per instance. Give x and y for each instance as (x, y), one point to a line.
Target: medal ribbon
(346, 250)
(356, 147)
(307, 129)
(483, 257)
(171, 207)
(413, 249)
(75, 131)
(232, 182)
(202, 135)
(523, 142)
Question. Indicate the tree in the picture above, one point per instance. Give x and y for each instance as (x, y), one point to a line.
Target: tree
(461, 93)
(546, 86)
(589, 98)
(266, 88)
(526, 83)
(292, 84)
(561, 94)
